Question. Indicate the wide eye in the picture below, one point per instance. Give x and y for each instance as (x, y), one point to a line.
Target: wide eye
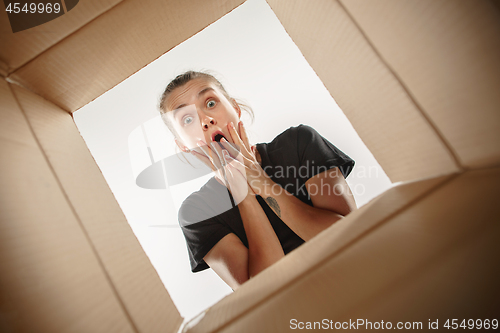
(211, 103)
(187, 120)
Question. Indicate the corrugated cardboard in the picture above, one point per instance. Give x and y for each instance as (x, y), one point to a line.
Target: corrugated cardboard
(100, 216)
(51, 279)
(19, 48)
(417, 79)
(3, 69)
(435, 259)
(458, 88)
(297, 265)
(372, 97)
(113, 46)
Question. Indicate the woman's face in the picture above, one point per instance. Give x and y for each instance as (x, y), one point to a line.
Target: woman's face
(198, 111)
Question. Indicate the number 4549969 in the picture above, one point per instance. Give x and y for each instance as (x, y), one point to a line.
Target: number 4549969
(33, 8)
(471, 324)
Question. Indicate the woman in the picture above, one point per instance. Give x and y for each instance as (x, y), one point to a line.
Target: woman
(265, 200)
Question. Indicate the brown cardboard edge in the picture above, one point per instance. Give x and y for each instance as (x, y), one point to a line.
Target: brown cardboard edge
(11, 70)
(19, 305)
(442, 69)
(159, 56)
(199, 327)
(496, 3)
(454, 164)
(204, 319)
(14, 83)
(14, 77)
(122, 296)
(418, 106)
(463, 253)
(4, 69)
(453, 249)
(70, 204)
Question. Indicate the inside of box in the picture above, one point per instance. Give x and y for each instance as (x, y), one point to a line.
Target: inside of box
(418, 81)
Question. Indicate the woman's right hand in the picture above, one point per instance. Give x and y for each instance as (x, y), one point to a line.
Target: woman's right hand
(229, 171)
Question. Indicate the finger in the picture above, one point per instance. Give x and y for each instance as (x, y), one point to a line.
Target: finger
(201, 155)
(224, 170)
(203, 158)
(208, 150)
(234, 164)
(204, 150)
(244, 136)
(216, 166)
(203, 147)
(229, 179)
(239, 169)
(227, 158)
(238, 161)
(234, 135)
(217, 155)
(233, 151)
(214, 161)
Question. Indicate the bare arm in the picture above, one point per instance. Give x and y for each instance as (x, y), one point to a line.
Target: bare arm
(330, 195)
(229, 258)
(232, 261)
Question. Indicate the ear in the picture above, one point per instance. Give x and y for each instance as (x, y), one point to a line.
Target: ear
(237, 108)
(181, 145)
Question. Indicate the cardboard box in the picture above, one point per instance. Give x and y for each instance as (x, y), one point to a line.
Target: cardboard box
(419, 81)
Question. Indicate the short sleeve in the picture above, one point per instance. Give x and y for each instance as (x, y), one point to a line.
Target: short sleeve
(201, 234)
(316, 154)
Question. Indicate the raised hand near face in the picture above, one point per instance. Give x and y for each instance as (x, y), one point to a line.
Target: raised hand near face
(229, 171)
(256, 177)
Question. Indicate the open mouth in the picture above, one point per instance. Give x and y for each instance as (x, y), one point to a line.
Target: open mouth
(217, 137)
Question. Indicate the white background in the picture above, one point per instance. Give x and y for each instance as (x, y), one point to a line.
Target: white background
(255, 59)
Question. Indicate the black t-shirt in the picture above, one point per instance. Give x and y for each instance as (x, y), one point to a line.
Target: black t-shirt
(293, 157)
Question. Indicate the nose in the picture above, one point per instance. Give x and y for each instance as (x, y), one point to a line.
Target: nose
(206, 120)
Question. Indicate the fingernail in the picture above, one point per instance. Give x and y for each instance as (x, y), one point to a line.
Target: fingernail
(231, 124)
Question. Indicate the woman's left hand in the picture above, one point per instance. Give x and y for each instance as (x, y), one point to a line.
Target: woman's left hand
(257, 178)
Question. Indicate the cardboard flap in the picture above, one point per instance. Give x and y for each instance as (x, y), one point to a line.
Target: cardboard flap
(52, 280)
(432, 259)
(379, 107)
(21, 47)
(122, 258)
(114, 46)
(315, 253)
(3, 69)
(446, 53)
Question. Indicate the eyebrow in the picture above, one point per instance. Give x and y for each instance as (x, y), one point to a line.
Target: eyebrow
(207, 89)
